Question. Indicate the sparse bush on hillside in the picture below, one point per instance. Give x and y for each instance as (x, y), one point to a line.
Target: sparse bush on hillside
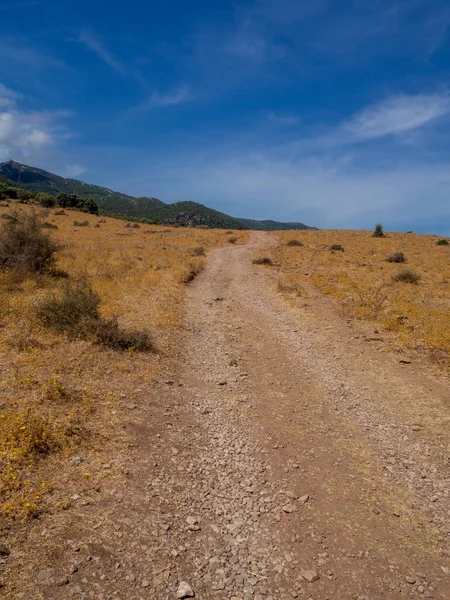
(60, 213)
(198, 251)
(378, 231)
(97, 225)
(407, 276)
(232, 240)
(229, 232)
(81, 223)
(47, 225)
(264, 260)
(24, 246)
(72, 310)
(294, 243)
(396, 257)
(75, 311)
(442, 242)
(135, 226)
(337, 247)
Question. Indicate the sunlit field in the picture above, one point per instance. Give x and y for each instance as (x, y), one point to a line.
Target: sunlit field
(363, 281)
(61, 395)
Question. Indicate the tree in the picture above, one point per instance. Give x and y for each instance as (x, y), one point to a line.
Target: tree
(378, 231)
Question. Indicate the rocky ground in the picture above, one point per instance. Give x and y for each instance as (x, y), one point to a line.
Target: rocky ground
(283, 452)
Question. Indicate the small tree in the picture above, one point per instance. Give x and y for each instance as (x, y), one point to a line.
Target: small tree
(24, 246)
(378, 231)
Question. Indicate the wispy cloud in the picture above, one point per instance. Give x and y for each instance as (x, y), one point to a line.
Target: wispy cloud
(96, 45)
(397, 115)
(179, 95)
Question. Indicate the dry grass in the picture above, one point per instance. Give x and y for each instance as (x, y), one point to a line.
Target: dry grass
(363, 281)
(57, 392)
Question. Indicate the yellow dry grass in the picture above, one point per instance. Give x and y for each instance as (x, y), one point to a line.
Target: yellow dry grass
(361, 279)
(56, 393)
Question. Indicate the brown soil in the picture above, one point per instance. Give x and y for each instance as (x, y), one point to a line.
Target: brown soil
(278, 444)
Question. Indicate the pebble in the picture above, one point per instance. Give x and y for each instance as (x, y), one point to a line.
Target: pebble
(304, 499)
(184, 591)
(145, 583)
(4, 550)
(77, 460)
(62, 581)
(310, 576)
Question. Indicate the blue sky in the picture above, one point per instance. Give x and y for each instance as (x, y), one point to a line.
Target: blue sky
(331, 112)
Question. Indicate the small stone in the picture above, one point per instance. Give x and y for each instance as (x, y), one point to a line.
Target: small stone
(222, 383)
(63, 581)
(304, 499)
(184, 591)
(4, 550)
(74, 568)
(44, 575)
(289, 508)
(191, 520)
(175, 451)
(411, 580)
(77, 460)
(145, 583)
(310, 576)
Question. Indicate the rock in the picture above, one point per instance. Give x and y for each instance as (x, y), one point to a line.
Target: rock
(76, 460)
(184, 591)
(44, 574)
(304, 499)
(411, 580)
(310, 576)
(222, 383)
(289, 508)
(74, 568)
(191, 520)
(62, 581)
(175, 451)
(145, 583)
(4, 550)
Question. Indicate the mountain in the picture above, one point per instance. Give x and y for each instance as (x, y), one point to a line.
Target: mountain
(116, 203)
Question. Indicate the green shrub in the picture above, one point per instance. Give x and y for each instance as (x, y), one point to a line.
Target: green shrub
(71, 310)
(407, 276)
(396, 257)
(24, 246)
(378, 231)
(337, 247)
(294, 243)
(74, 310)
(442, 242)
(265, 260)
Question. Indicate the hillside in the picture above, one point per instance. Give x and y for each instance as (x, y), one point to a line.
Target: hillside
(117, 203)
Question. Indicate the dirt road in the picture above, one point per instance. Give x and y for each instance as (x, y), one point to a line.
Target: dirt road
(283, 453)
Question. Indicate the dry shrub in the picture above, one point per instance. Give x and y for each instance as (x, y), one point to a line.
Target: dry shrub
(81, 223)
(337, 248)
(294, 243)
(396, 257)
(24, 246)
(232, 240)
(199, 251)
(407, 276)
(71, 309)
(264, 260)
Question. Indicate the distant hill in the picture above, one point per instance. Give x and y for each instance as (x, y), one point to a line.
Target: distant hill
(116, 203)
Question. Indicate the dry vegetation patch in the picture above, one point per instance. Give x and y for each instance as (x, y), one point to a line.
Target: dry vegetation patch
(366, 280)
(71, 347)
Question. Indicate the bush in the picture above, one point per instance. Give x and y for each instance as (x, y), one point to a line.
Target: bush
(265, 260)
(406, 276)
(232, 240)
(60, 212)
(24, 246)
(75, 311)
(109, 334)
(199, 251)
(396, 257)
(81, 223)
(337, 247)
(294, 243)
(72, 310)
(135, 226)
(443, 242)
(378, 231)
(47, 225)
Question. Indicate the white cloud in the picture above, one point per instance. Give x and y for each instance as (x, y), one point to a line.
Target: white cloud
(93, 42)
(396, 116)
(23, 134)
